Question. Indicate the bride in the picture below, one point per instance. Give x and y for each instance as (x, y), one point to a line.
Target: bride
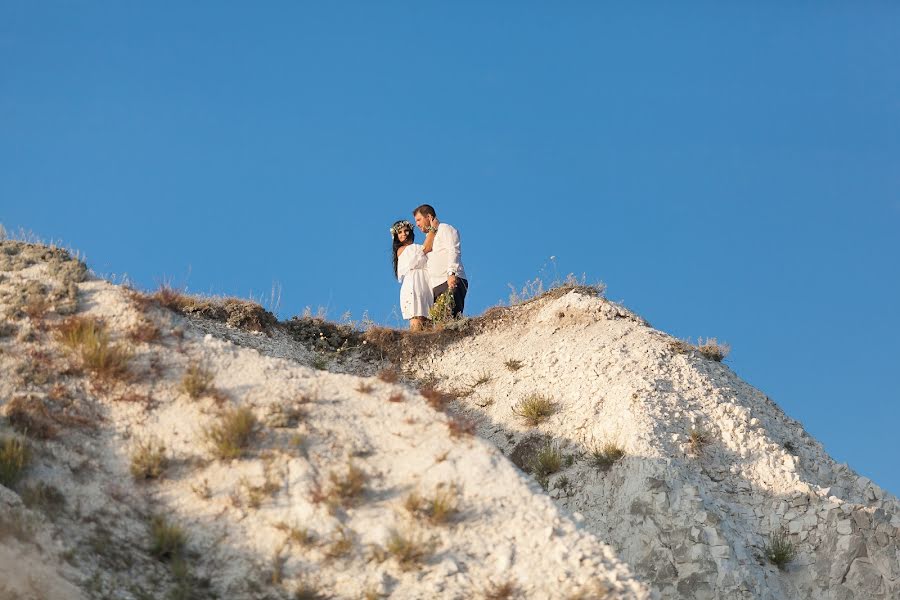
(410, 264)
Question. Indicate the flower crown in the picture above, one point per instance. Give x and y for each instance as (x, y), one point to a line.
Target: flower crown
(396, 227)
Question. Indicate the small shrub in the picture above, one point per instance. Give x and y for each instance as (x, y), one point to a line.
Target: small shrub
(698, 439)
(14, 459)
(197, 380)
(534, 409)
(547, 461)
(148, 459)
(712, 349)
(346, 488)
(389, 375)
(780, 550)
(167, 540)
(514, 365)
(409, 551)
(230, 436)
(606, 455)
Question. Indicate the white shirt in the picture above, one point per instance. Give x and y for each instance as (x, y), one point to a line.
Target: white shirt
(445, 256)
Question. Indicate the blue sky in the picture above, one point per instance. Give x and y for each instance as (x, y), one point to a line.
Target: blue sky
(728, 171)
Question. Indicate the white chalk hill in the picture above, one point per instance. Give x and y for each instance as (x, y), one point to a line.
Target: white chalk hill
(291, 518)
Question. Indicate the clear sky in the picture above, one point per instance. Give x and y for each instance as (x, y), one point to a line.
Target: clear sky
(727, 169)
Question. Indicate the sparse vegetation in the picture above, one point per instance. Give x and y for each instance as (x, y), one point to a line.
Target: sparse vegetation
(365, 387)
(780, 550)
(439, 509)
(436, 399)
(389, 375)
(340, 545)
(481, 378)
(546, 461)
(346, 487)
(319, 361)
(198, 380)
(606, 455)
(14, 459)
(232, 433)
(460, 427)
(301, 536)
(698, 439)
(409, 551)
(89, 340)
(148, 459)
(534, 409)
(514, 365)
(145, 331)
(167, 540)
(709, 348)
(396, 397)
(501, 591)
(29, 415)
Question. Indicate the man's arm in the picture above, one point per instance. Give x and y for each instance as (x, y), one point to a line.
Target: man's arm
(452, 256)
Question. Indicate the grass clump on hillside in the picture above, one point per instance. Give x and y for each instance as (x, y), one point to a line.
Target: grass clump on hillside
(89, 340)
(439, 509)
(698, 439)
(230, 436)
(197, 380)
(501, 591)
(14, 459)
(409, 551)
(534, 409)
(547, 461)
(709, 348)
(148, 459)
(347, 487)
(780, 550)
(514, 365)
(606, 455)
(167, 540)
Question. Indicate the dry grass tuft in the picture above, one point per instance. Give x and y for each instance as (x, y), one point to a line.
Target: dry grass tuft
(501, 591)
(144, 332)
(340, 545)
(534, 409)
(389, 375)
(346, 488)
(167, 540)
(439, 509)
(546, 461)
(230, 436)
(460, 427)
(197, 380)
(89, 340)
(481, 378)
(436, 399)
(148, 459)
(606, 455)
(29, 415)
(698, 439)
(14, 459)
(365, 387)
(712, 349)
(396, 397)
(514, 365)
(409, 551)
(300, 536)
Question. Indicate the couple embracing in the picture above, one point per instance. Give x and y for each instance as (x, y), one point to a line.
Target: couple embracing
(428, 271)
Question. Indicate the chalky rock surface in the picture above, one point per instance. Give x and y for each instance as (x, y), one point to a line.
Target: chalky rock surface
(264, 525)
(691, 524)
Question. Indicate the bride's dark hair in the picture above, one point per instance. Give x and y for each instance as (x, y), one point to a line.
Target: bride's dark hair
(395, 243)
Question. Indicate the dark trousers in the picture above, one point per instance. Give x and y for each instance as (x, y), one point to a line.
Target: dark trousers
(459, 294)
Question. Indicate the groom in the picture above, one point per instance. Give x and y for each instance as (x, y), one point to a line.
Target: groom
(445, 268)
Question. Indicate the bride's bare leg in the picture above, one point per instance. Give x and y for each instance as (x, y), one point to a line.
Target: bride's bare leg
(416, 324)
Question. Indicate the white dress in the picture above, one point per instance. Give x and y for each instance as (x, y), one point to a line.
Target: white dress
(415, 291)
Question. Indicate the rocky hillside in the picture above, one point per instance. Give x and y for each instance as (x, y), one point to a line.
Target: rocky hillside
(697, 480)
(211, 452)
